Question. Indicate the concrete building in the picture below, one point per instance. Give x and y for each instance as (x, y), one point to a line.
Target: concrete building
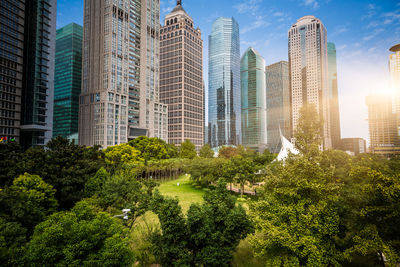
(120, 85)
(278, 104)
(224, 109)
(333, 96)
(27, 70)
(308, 65)
(254, 100)
(383, 130)
(181, 77)
(354, 145)
(68, 80)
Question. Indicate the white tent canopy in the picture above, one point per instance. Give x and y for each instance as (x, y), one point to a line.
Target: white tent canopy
(287, 147)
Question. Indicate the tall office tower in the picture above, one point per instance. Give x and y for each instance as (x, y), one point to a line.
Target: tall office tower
(333, 96)
(12, 14)
(38, 83)
(120, 84)
(254, 100)
(383, 131)
(68, 80)
(278, 104)
(308, 64)
(181, 77)
(394, 68)
(224, 107)
(27, 62)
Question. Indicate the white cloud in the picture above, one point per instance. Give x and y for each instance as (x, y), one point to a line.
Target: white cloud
(279, 14)
(372, 35)
(258, 23)
(248, 7)
(311, 3)
(340, 29)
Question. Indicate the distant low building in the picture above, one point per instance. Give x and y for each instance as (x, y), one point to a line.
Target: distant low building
(354, 145)
(384, 134)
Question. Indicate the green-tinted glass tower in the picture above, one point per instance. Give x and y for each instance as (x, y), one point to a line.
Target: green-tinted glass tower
(254, 100)
(67, 81)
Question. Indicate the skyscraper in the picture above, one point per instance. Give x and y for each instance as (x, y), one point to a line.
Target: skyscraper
(120, 85)
(254, 100)
(333, 96)
(383, 131)
(11, 67)
(224, 108)
(278, 104)
(181, 77)
(27, 62)
(68, 80)
(309, 71)
(394, 68)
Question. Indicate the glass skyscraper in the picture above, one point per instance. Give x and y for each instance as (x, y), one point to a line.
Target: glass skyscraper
(67, 80)
(27, 42)
(278, 104)
(308, 65)
(254, 100)
(333, 96)
(224, 107)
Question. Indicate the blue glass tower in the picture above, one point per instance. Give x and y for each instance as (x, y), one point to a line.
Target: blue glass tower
(224, 107)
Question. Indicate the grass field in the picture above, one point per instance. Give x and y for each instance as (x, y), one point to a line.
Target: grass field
(186, 192)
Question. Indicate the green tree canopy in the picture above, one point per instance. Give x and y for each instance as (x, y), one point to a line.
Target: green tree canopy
(117, 155)
(308, 133)
(153, 148)
(65, 166)
(297, 217)
(187, 150)
(228, 152)
(80, 237)
(209, 234)
(28, 201)
(206, 151)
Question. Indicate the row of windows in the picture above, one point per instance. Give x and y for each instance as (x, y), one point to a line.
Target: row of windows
(7, 105)
(7, 113)
(7, 122)
(4, 130)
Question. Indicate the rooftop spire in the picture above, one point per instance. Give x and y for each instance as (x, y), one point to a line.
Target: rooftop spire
(179, 2)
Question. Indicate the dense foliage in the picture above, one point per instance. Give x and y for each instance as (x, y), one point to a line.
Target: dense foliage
(320, 208)
(207, 236)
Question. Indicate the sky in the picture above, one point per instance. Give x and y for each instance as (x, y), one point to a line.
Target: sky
(362, 30)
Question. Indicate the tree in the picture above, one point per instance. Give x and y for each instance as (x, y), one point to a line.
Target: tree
(125, 192)
(227, 152)
(12, 240)
(297, 216)
(80, 237)
(187, 150)
(117, 155)
(65, 166)
(28, 201)
(244, 170)
(10, 154)
(153, 148)
(206, 151)
(96, 183)
(209, 234)
(308, 133)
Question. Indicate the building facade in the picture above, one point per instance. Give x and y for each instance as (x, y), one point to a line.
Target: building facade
(278, 104)
(120, 84)
(181, 77)
(333, 96)
(254, 100)
(354, 145)
(68, 80)
(308, 64)
(27, 76)
(224, 106)
(11, 67)
(383, 130)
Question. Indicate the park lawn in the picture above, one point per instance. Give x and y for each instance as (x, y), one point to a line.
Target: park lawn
(186, 192)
